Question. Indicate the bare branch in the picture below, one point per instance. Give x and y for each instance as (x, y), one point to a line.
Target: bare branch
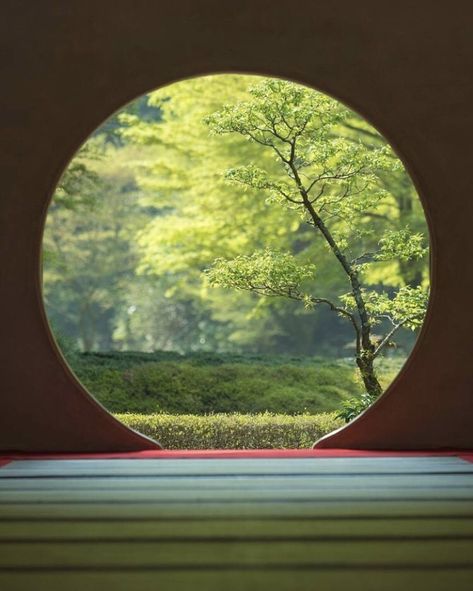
(319, 194)
(345, 313)
(292, 293)
(365, 255)
(386, 317)
(388, 337)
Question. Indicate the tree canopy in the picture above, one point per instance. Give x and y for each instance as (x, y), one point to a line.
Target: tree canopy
(192, 180)
(332, 182)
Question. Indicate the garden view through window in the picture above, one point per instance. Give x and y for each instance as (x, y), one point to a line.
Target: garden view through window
(235, 261)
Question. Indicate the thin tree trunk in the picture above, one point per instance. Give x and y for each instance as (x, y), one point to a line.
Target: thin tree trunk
(366, 348)
(365, 364)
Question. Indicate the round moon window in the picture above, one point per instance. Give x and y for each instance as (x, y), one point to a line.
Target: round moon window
(232, 253)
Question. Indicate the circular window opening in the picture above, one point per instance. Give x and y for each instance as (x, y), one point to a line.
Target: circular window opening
(234, 252)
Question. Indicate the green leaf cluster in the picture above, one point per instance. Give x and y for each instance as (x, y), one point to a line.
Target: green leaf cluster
(266, 272)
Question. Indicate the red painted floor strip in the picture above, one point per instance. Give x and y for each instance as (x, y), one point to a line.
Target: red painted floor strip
(235, 453)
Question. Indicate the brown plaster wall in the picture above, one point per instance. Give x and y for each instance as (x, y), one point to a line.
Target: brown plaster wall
(67, 65)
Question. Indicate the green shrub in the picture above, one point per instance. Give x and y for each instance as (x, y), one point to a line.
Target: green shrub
(233, 431)
(210, 383)
(352, 407)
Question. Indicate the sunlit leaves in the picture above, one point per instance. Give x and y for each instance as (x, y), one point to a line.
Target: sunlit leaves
(278, 111)
(402, 244)
(224, 171)
(267, 272)
(80, 185)
(300, 127)
(409, 306)
(275, 189)
(405, 307)
(334, 181)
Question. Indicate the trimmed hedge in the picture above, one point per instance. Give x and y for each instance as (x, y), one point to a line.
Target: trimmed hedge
(210, 383)
(233, 431)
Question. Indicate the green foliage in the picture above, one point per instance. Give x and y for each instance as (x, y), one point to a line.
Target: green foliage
(334, 183)
(203, 383)
(406, 307)
(401, 244)
(326, 176)
(299, 125)
(66, 345)
(80, 184)
(88, 245)
(233, 431)
(353, 407)
(266, 272)
(146, 206)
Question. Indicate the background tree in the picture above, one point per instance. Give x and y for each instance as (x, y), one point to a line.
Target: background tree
(198, 216)
(333, 183)
(88, 258)
(143, 209)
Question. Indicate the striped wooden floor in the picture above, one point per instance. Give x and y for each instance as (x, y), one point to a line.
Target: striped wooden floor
(237, 524)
